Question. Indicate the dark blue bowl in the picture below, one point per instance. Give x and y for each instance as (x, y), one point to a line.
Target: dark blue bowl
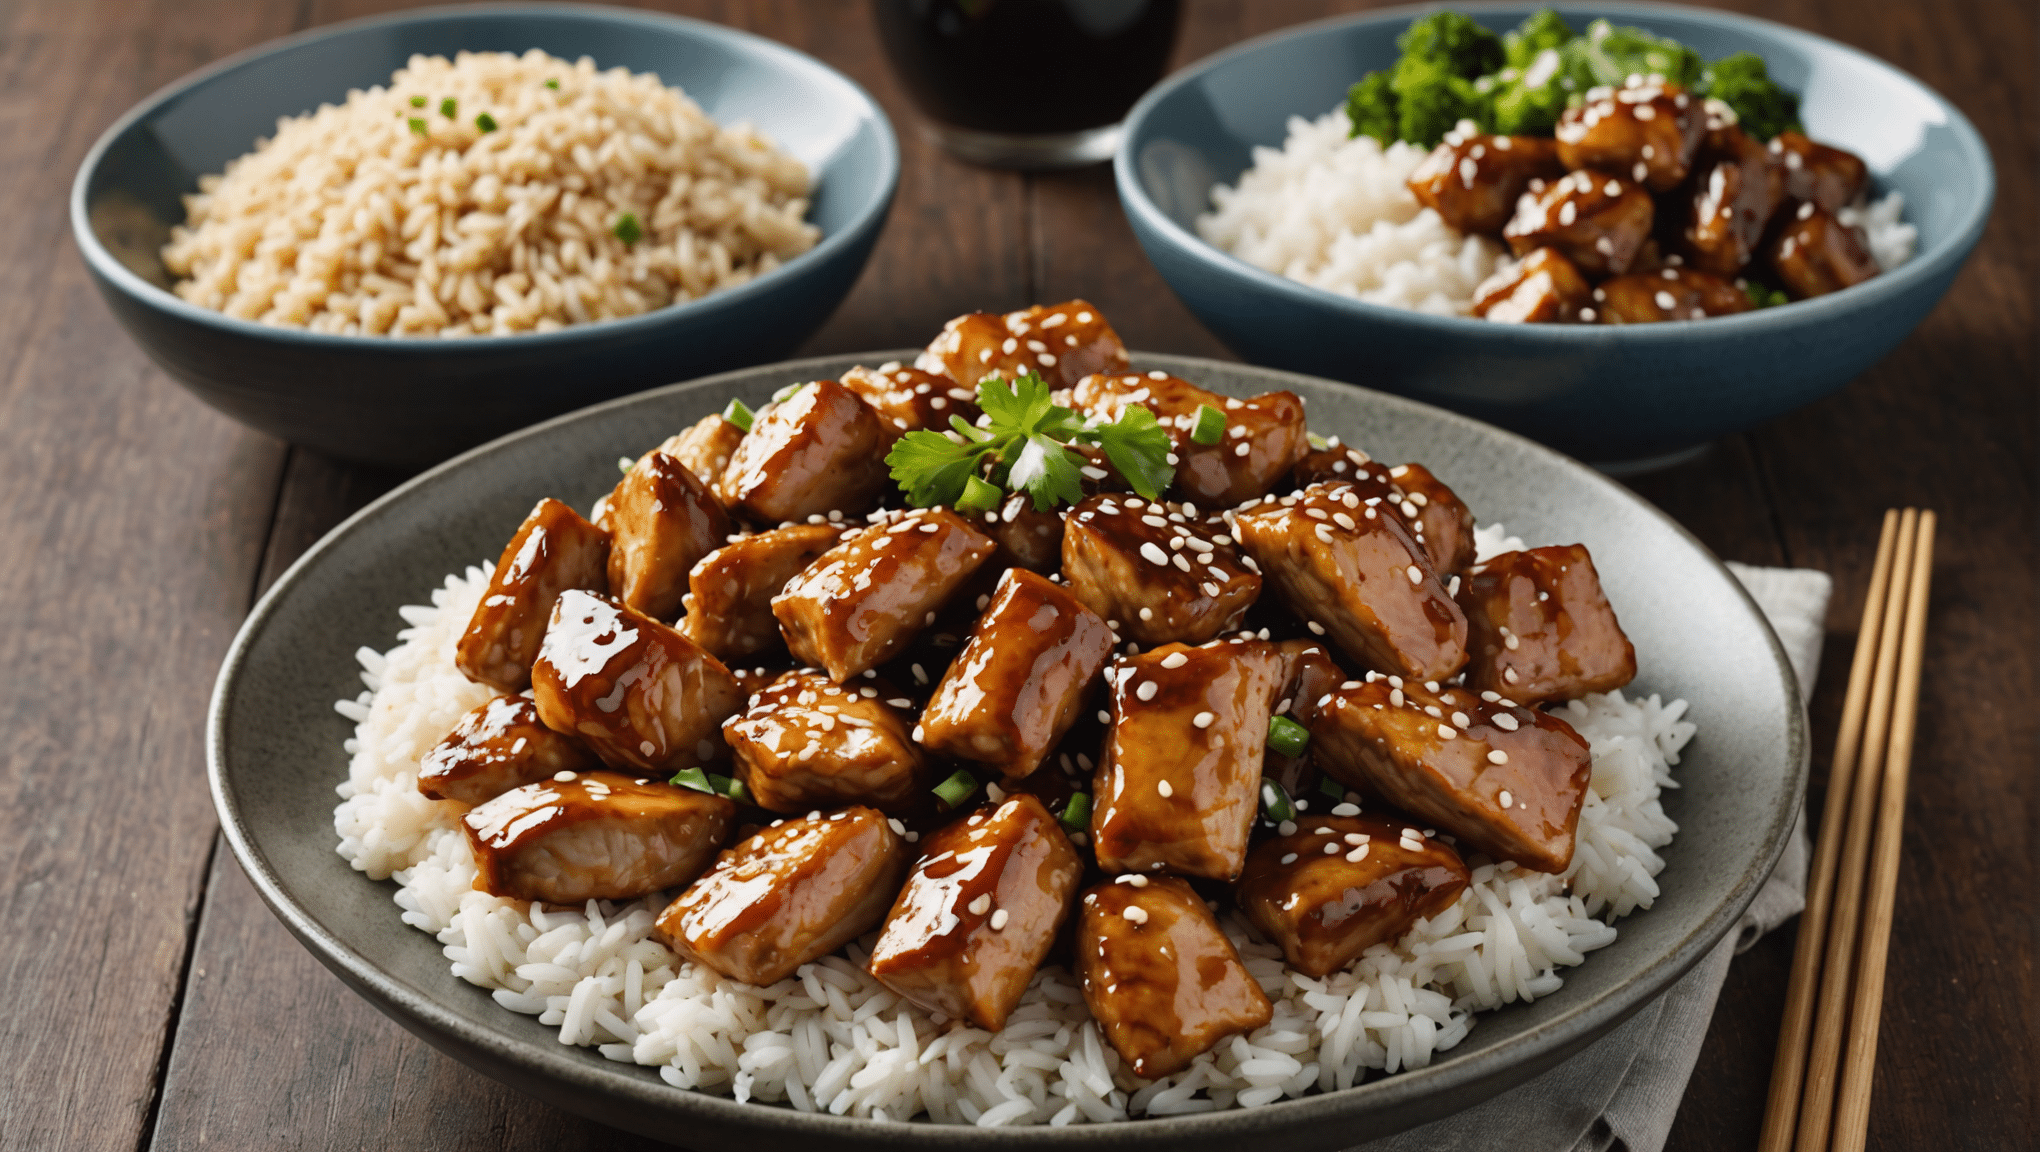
(409, 402)
(1616, 395)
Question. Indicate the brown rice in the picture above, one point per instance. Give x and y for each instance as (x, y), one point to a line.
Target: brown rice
(488, 195)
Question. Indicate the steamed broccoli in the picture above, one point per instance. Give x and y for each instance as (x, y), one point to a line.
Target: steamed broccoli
(1432, 105)
(1445, 43)
(1609, 55)
(1531, 92)
(1432, 86)
(1370, 105)
(1743, 83)
(1542, 30)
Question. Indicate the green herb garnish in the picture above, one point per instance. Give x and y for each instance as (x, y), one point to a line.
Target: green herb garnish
(736, 412)
(1276, 806)
(1316, 441)
(956, 789)
(485, 122)
(627, 228)
(1076, 815)
(787, 393)
(448, 107)
(1024, 447)
(1331, 787)
(693, 778)
(736, 791)
(417, 101)
(1287, 736)
(978, 496)
(1210, 425)
(553, 84)
(418, 125)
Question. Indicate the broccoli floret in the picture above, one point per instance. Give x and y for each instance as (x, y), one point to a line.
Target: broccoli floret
(1763, 295)
(1743, 83)
(1447, 42)
(1370, 105)
(1544, 29)
(1611, 55)
(1430, 105)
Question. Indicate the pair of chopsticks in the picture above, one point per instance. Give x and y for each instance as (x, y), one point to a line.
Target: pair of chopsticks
(1820, 1077)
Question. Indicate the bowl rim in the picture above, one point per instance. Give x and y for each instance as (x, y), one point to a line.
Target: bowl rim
(869, 215)
(1941, 258)
(555, 1067)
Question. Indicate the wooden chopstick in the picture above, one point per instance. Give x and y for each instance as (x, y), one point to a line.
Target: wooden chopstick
(1788, 1065)
(1852, 1112)
(1837, 984)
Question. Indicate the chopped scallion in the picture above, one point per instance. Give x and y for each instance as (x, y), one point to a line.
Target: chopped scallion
(978, 496)
(1076, 815)
(418, 125)
(553, 84)
(1210, 426)
(736, 412)
(1276, 805)
(1287, 736)
(736, 791)
(1316, 441)
(449, 107)
(485, 122)
(693, 778)
(417, 101)
(1331, 787)
(627, 228)
(720, 785)
(956, 789)
(623, 464)
(786, 393)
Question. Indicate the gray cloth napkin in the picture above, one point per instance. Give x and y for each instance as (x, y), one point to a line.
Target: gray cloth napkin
(1620, 1094)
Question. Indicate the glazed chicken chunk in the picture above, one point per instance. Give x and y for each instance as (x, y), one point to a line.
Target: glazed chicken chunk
(1062, 344)
(730, 591)
(1541, 630)
(705, 447)
(910, 400)
(594, 836)
(1542, 288)
(858, 605)
(1829, 177)
(1738, 187)
(1434, 513)
(820, 450)
(1159, 974)
(661, 520)
(1026, 538)
(1339, 885)
(498, 746)
(641, 695)
(1598, 221)
(1016, 686)
(1263, 438)
(1160, 573)
(1814, 253)
(805, 742)
(1506, 780)
(1355, 571)
(1646, 130)
(1180, 781)
(1667, 294)
(792, 893)
(979, 912)
(554, 550)
(1473, 181)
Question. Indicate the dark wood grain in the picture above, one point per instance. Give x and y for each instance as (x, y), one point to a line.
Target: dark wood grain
(155, 1002)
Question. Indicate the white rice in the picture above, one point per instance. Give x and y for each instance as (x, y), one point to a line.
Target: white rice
(1335, 211)
(833, 1039)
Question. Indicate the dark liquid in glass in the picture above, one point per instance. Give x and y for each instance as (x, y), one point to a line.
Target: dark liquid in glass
(1027, 67)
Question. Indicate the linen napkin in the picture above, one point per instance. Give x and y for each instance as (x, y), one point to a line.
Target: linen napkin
(1620, 1094)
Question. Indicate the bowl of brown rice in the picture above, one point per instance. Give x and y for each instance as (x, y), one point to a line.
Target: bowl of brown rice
(390, 239)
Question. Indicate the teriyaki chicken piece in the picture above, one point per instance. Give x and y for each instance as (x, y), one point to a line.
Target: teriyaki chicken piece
(1026, 538)
(1339, 885)
(791, 893)
(1433, 512)
(1541, 630)
(594, 836)
(1062, 344)
(1473, 181)
(1827, 176)
(1599, 221)
(1159, 974)
(553, 551)
(910, 400)
(1017, 685)
(1737, 187)
(1259, 439)
(498, 746)
(1667, 294)
(1506, 780)
(643, 697)
(979, 912)
(859, 604)
(705, 447)
(1160, 574)
(730, 591)
(1813, 253)
(820, 450)
(806, 742)
(1646, 130)
(1542, 288)
(661, 520)
(1351, 568)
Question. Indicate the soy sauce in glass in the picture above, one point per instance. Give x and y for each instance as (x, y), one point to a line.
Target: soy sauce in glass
(1027, 83)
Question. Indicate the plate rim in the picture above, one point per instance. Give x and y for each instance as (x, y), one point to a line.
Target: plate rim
(554, 1073)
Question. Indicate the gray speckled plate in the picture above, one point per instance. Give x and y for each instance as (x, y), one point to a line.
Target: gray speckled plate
(274, 749)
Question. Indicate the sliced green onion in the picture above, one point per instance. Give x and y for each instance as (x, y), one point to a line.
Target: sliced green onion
(1076, 815)
(736, 412)
(736, 791)
(417, 101)
(1275, 802)
(553, 84)
(449, 107)
(786, 393)
(956, 789)
(624, 464)
(417, 125)
(978, 496)
(1316, 441)
(720, 785)
(1210, 426)
(485, 122)
(627, 228)
(693, 778)
(1287, 736)
(1331, 787)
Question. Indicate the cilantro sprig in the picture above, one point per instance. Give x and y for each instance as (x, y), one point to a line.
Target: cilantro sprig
(1024, 447)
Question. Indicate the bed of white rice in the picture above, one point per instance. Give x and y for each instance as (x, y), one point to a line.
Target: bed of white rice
(833, 1039)
(1335, 211)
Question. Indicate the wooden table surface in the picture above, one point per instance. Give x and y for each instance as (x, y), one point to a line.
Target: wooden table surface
(153, 1002)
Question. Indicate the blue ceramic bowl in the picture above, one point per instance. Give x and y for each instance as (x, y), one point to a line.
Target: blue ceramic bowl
(408, 402)
(1612, 395)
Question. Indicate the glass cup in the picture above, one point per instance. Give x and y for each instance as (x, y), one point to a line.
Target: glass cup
(1027, 83)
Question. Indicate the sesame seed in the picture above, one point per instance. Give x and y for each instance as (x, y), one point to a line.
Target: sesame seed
(1507, 800)
(1345, 809)
(998, 920)
(1166, 789)
(1147, 614)
(1415, 574)
(1104, 717)
(1332, 849)
(1135, 914)
(1202, 720)
(1503, 720)
(1460, 719)
(564, 777)
(1181, 561)
(1147, 690)
(1153, 554)
(1498, 757)
(1316, 628)
(1289, 858)
(1175, 660)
